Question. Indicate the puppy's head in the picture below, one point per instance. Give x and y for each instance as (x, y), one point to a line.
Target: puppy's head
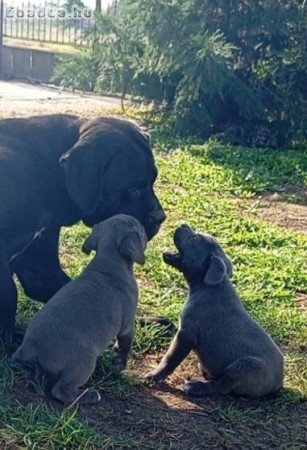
(121, 234)
(199, 257)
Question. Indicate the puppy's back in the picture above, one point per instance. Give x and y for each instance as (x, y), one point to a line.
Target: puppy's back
(72, 323)
(227, 332)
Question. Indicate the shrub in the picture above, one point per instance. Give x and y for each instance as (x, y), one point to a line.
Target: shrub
(234, 68)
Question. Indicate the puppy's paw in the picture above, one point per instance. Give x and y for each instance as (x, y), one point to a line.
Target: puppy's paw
(154, 377)
(90, 397)
(199, 389)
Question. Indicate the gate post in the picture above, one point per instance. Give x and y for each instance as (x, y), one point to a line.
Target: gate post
(1, 21)
(1, 31)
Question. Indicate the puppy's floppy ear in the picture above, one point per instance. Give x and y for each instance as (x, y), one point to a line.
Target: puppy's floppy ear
(91, 242)
(229, 266)
(132, 246)
(216, 272)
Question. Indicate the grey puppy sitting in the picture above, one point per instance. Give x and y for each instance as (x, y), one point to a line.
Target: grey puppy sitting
(233, 350)
(65, 338)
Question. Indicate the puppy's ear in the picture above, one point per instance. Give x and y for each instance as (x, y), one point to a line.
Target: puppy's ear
(229, 267)
(132, 246)
(216, 272)
(91, 242)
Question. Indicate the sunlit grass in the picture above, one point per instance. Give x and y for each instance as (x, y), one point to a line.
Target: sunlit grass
(197, 184)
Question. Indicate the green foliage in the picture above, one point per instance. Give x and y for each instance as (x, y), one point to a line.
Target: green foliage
(115, 50)
(76, 71)
(233, 68)
(249, 71)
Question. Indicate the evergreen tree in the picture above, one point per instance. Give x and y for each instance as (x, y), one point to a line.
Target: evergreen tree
(236, 67)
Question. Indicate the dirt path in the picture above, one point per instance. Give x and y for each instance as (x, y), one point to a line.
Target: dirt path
(22, 99)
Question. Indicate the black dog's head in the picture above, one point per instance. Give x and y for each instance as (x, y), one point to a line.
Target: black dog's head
(200, 257)
(111, 170)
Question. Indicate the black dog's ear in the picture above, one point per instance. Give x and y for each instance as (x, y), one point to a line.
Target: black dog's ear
(216, 272)
(91, 242)
(82, 169)
(132, 246)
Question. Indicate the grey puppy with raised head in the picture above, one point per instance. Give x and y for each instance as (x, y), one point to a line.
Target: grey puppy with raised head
(65, 338)
(235, 353)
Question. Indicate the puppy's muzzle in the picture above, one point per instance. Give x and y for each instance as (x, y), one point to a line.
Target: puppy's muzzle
(181, 234)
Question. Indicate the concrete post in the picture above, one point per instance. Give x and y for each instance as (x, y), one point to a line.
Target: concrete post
(1, 31)
(1, 21)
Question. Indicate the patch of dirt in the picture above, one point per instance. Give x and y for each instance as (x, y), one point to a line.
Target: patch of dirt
(291, 192)
(301, 299)
(278, 209)
(159, 417)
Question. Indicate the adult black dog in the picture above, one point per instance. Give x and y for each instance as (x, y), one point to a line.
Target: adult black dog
(54, 171)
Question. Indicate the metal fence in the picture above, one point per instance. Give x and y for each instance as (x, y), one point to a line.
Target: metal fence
(50, 22)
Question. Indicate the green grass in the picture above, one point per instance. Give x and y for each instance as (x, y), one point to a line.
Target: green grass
(43, 46)
(204, 186)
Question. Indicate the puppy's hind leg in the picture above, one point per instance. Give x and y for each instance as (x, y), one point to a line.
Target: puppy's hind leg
(66, 389)
(121, 350)
(246, 376)
(65, 392)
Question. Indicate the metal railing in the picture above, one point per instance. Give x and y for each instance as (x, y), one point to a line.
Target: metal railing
(49, 22)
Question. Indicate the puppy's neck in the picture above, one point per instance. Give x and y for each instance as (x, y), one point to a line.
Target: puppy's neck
(196, 286)
(111, 262)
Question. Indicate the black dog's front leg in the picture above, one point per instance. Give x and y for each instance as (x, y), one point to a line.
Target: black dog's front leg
(178, 351)
(8, 297)
(122, 350)
(39, 269)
